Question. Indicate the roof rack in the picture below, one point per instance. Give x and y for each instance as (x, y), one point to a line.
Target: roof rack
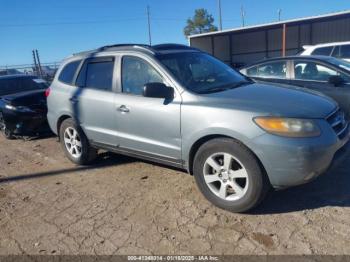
(163, 47)
(148, 48)
(141, 46)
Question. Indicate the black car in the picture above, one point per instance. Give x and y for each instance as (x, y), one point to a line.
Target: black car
(23, 105)
(328, 75)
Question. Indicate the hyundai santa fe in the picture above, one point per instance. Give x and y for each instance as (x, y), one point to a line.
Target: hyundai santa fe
(178, 106)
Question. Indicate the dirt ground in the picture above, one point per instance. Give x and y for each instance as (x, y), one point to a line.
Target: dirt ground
(125, 206)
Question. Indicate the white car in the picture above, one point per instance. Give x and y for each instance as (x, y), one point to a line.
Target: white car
(338, 50)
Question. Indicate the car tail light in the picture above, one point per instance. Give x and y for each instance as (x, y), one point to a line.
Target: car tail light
(47, 92)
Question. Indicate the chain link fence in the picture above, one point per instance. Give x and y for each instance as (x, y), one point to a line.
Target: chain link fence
(47, 70)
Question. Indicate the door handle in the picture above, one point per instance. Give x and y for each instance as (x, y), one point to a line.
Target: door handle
(123, 109)
(73, 100)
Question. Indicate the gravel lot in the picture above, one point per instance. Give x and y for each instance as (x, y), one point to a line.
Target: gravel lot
(125, 206)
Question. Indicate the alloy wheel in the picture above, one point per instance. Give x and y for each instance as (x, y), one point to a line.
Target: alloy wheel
(225, 176)
(72, 142)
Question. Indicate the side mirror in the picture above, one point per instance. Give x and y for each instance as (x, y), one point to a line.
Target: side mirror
(336, 80)
(158, 90)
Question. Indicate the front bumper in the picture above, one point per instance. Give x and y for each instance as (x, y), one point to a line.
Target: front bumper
(19, 123)
(294, 161)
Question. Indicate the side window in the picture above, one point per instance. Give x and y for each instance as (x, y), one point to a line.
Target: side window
(345, 51)
(253, 71)
(323, 51)
(97, 74)
(336, 51)
(68, 72)
(6, 86)
(136, 73)
(305, 70)
(273, 70)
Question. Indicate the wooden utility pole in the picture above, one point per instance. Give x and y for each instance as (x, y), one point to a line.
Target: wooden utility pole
(149, 26)
(284, 40)
(220, 16)
(35, 63)
(39, 64)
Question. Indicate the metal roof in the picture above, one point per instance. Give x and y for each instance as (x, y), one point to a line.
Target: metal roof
(271, 24)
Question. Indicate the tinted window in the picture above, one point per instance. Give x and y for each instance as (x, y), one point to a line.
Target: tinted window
(136, 73)
(68, 72)
(269, 70)
(200, 72)
(312, 71)
(345, 51)
(253, 71)
(99, 75)
(336, 51)
(323, 51)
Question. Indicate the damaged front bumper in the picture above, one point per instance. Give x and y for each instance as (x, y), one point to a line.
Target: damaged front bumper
(24, 124)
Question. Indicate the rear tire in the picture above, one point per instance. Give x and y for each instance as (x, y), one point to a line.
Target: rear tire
(75, 144)
(229, 175)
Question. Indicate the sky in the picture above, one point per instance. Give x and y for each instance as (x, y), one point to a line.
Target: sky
(58, 28)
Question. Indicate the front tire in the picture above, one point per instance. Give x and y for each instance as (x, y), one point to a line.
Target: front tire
(75, 144)
(229, 175)
(8, 134)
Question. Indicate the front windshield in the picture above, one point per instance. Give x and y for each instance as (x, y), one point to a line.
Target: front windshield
(201, 73)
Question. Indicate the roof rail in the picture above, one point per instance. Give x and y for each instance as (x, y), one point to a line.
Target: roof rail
(162, 47)
(141, 46)
(148, 48)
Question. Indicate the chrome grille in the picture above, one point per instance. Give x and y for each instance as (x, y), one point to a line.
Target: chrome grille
(339, 123)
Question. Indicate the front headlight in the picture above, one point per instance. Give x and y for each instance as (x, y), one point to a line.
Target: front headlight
(289, 127)
(18, 108)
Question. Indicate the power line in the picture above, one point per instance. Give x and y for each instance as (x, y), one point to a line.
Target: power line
(101, 21)
(71, 23)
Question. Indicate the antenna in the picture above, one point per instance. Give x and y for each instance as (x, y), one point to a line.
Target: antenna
(149, 26)
(279, 14)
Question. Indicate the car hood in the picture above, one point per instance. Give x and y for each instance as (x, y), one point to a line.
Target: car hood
(27, 98)
(274, 100)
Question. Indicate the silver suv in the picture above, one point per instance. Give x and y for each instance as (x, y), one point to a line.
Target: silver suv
(178, 106)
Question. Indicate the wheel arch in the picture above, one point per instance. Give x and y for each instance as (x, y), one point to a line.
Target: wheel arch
(60, 121)
(201, 141)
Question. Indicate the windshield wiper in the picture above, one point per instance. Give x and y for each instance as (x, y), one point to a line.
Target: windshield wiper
(225, 87)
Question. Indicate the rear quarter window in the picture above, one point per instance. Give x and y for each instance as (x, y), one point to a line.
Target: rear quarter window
(68, 72)
(323, 51)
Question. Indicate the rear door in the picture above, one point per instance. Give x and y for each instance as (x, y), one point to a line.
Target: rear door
(273, 71)
(315, 75)
(93, 100)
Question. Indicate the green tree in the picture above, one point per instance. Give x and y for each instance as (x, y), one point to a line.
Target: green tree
(201, 22)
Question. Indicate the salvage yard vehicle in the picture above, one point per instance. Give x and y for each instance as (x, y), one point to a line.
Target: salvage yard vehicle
(338, 50)
(23, 106)
(178, 106)
(324, 74)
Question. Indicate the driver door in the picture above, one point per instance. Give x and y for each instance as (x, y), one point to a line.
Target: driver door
(146, 126)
